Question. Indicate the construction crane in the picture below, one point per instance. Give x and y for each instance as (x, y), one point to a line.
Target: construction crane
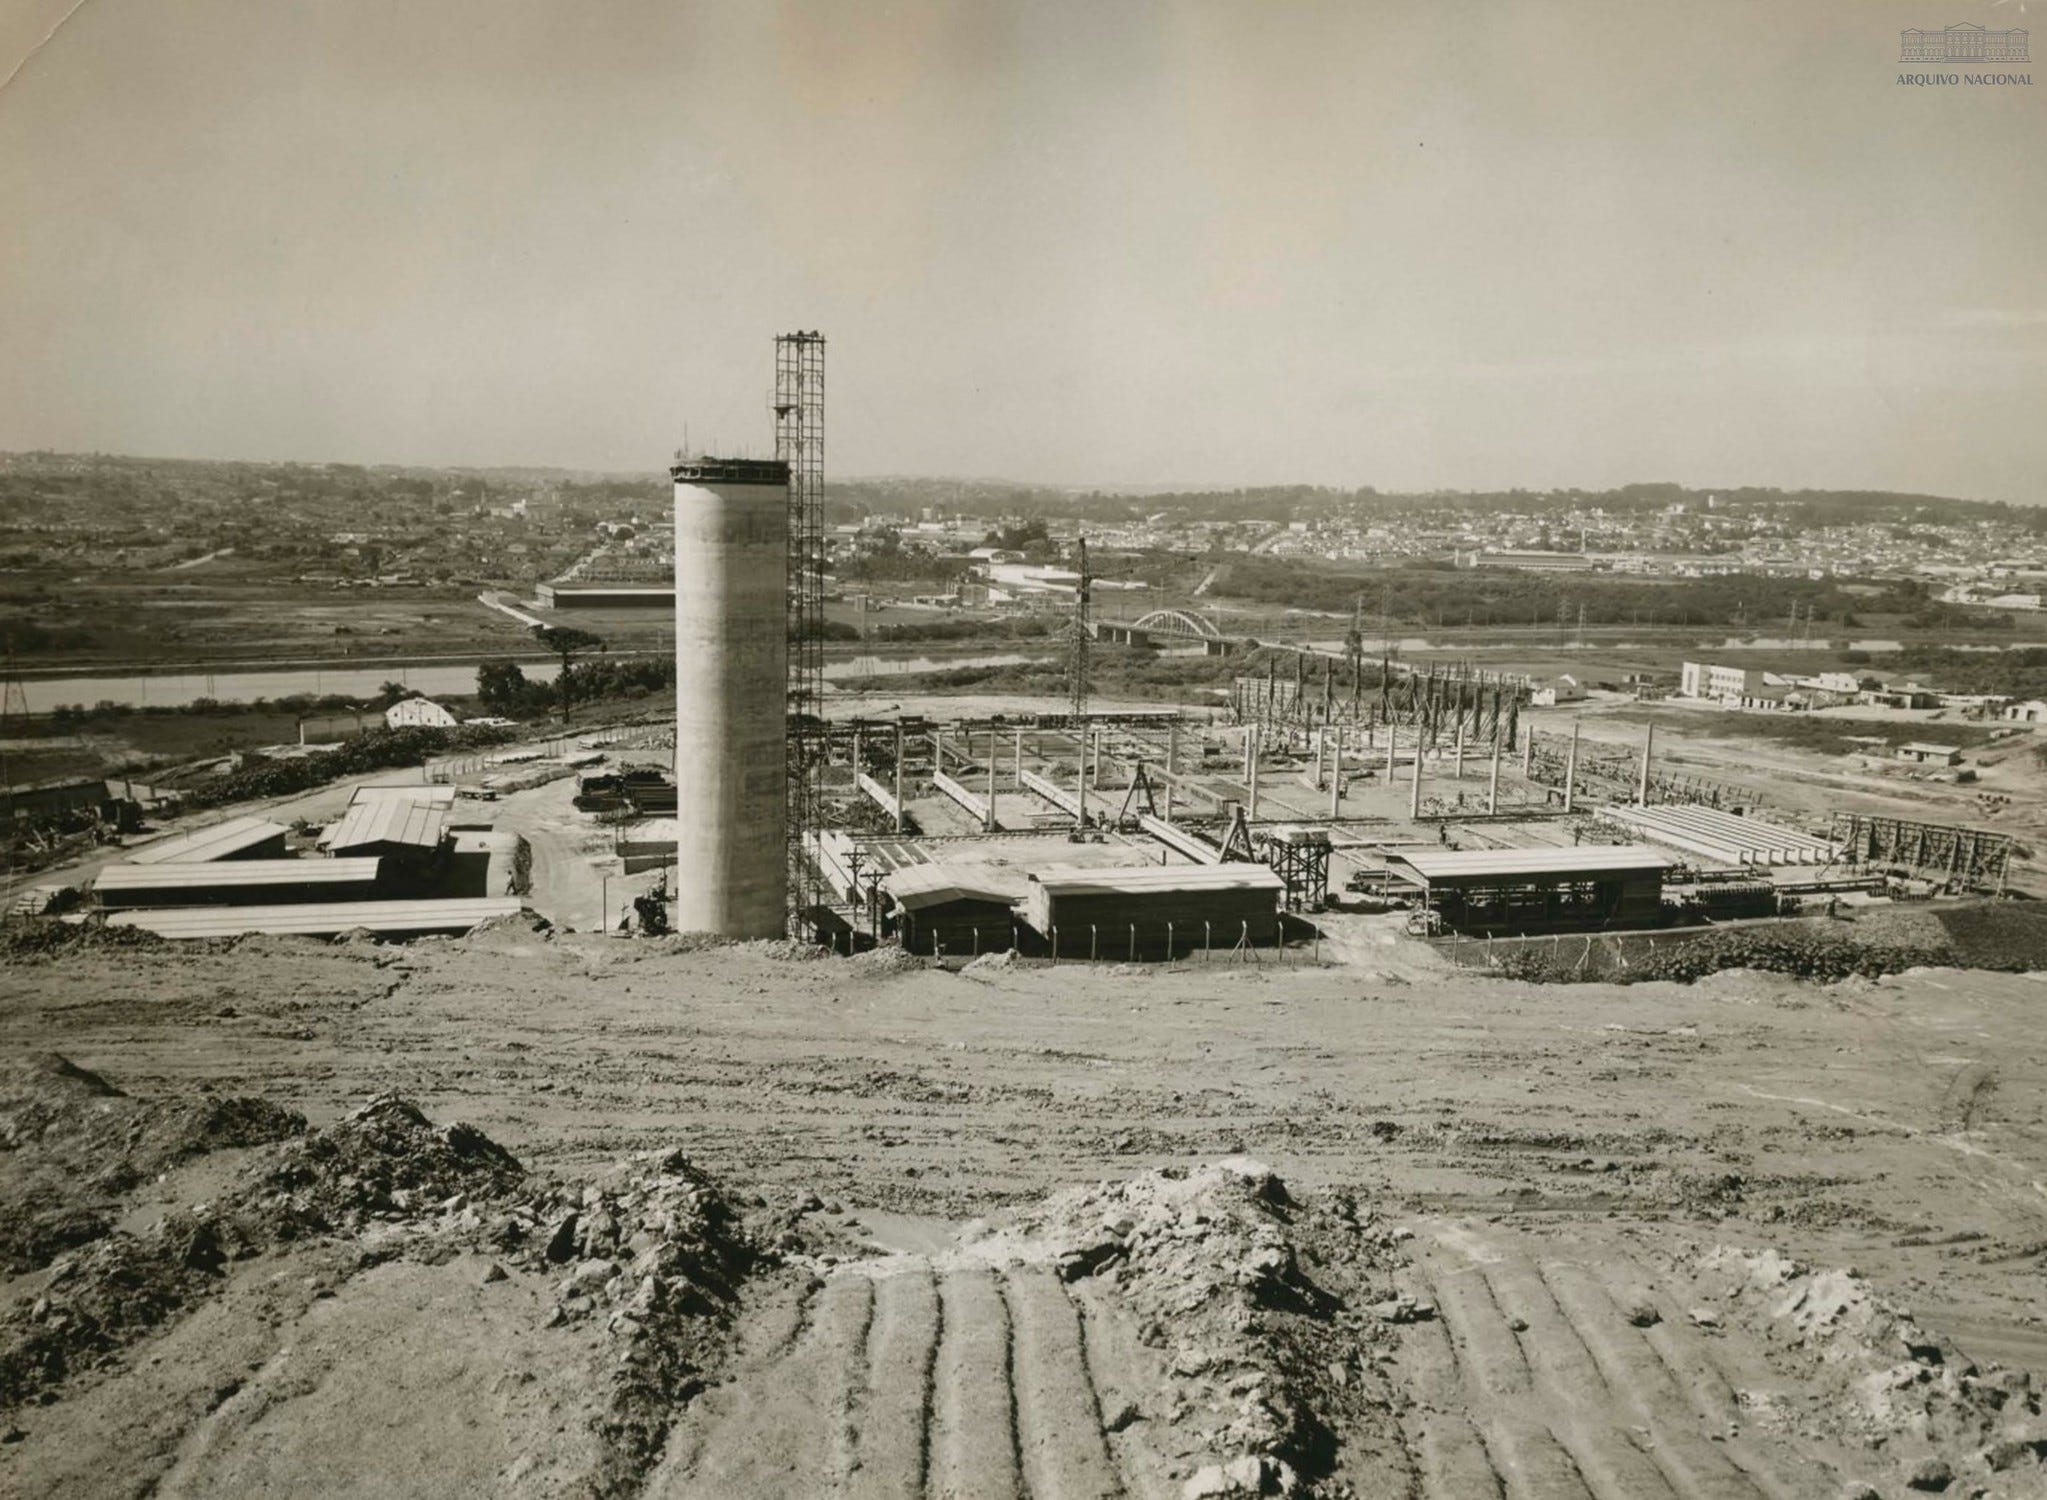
(1077, 647)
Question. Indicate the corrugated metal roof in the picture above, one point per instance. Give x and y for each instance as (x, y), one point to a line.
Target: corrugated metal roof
(221, 841)
(415, 815)
(234, 872)
(320, 920)
(916, 887)
(1151, 879)
(1466, 864)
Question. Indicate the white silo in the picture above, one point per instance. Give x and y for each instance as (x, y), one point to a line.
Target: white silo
(731, 662)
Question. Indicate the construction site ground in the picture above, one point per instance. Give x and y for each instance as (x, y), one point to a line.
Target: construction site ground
(775, 1225)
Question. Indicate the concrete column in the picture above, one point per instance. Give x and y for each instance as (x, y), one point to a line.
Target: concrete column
(994, 749)
(899, 778)
(1492, 796)
(1642, 787)
(1173, 749)
(1094, 737)
(1571, 772)
(937, 749)
(1392, 742)
(1460, 746)
(1251, 781)
(1414, 804)
(1528, 754)
(1336, 777)
(1019, 761)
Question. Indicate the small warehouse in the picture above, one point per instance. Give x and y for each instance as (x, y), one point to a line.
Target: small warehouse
(1147, 910)
(1930, 753)
(235, 882)
(237, 838)
(1484, 892)
(941, 909)
(404, 823)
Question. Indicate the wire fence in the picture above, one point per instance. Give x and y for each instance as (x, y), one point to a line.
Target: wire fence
(1293, 943)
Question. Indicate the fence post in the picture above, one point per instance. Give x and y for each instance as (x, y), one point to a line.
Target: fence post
(1207, 935)
(1054, 935)
(1169, 942)
(1133, 942)
(1094, 941)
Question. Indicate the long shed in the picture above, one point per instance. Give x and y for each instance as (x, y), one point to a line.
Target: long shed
(235, 882)
(394, 919)
(1141, 909)
(939, 908)
(1590, 887)
(237, 838)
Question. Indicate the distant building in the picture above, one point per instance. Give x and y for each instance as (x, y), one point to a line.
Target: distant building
(1927, 753)
(1535, 561)
(1560, 689)
(1911, 695)
(2032, 711)
(418, 713)
(1700, 679)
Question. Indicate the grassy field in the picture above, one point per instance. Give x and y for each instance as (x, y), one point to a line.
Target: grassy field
(1825, 736)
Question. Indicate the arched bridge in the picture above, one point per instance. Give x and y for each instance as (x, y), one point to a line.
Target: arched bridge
(1179, 622)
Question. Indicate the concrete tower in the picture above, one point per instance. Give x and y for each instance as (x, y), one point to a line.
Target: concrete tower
(731, 656)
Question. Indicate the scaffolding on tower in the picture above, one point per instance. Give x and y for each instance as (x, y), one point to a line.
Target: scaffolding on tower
(1082, 635)
(799, 442)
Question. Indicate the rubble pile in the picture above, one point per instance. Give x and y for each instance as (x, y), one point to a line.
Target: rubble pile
(1257, 1306)
(659, 1255)
(1934, 1415)
(386, 1161)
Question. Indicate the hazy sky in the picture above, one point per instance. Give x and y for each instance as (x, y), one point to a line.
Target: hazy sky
(1524, 242)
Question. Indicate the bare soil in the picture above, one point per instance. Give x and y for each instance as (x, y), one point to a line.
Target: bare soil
(532, 1214)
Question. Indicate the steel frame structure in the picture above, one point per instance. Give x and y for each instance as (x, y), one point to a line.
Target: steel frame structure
(799, 442)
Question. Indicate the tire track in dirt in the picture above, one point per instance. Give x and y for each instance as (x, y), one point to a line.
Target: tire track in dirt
(890, 1436)
(782, 1425)
(911, 1379)
(1450, 1452)
(1059, 1419)
(1500, 1394)
(1636, 1370)
(1584, 1408)
(973, 1441)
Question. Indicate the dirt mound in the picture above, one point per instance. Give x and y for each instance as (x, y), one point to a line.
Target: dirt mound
(74, 1143)
(2008, 935)
(659, 1253)
(1267, 1360)
(386, 1160)
(42, 940)
(1876, 1377)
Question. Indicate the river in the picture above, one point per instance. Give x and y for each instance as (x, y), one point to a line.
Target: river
(176, 689)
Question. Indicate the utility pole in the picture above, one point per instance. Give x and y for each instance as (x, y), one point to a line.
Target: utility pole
(1571, 771)
(994, 749)
(1648, 749)
(1077, 650)
(1336, 777)
(1492, 795)
(899, 778)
